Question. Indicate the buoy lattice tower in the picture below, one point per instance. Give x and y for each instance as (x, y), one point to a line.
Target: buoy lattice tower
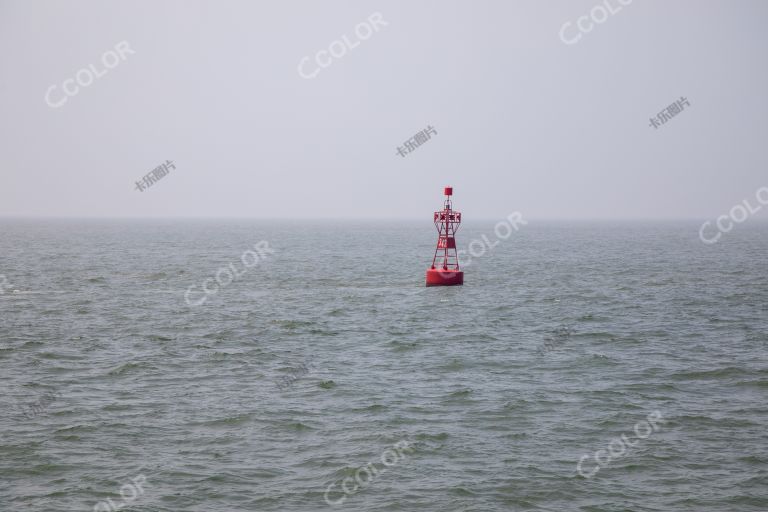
(445, 264)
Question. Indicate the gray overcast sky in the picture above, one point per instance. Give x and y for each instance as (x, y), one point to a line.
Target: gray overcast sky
(524, 121)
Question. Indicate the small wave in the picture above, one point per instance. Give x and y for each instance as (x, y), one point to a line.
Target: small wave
(598, 359)
(454, 365)
(72, 430)
(402, 346)
(292, 324)
(55, 357)
(45, 469)
(231, 420)
(597, 335)
(698, 420)
(218, 355)
(760, 383)
(462, 491)
(220, 336)
(730, 371)
(299, 426)
(126, 368)
(518, 404)
(71, 437)
(753, 459)
(442, 436)
(323, 332)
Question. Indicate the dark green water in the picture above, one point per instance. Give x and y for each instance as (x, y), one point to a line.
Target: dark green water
(329, 351)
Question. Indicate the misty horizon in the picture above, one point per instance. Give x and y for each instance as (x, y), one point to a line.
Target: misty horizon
(522, 109)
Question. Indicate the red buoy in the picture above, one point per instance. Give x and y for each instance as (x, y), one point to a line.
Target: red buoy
(445, 265)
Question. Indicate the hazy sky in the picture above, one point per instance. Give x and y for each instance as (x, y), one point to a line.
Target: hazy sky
(524, 121)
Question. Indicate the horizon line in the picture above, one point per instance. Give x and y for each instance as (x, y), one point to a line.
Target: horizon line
(359, 219)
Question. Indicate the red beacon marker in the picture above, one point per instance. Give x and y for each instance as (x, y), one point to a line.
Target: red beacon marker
(445, 265)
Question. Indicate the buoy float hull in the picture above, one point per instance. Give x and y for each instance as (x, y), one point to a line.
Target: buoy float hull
(440, 277)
